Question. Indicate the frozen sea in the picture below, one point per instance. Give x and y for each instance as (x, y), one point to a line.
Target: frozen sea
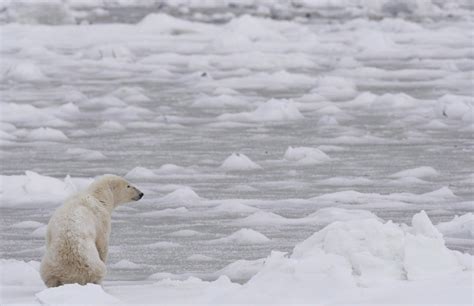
(239, 127)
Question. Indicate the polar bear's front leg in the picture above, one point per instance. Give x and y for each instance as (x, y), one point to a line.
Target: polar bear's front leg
(103, 249)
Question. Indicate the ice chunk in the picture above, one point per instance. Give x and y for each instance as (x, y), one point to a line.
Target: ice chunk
(25, 71)
(241, 269)
(182, 195)
(125, 264)
(40, 232)
(272, 110)
(239, 162)
(141, 173)
(19, 273)
(306, 155)
(85, 154)
(243, 236)
(458, 227)
(28, 224)
(46, 134)
(419, 172)
(76, 294)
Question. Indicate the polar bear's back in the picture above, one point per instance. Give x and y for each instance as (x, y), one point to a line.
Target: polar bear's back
(71, 250)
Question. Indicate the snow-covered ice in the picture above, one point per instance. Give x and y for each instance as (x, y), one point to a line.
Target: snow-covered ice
(302, 151)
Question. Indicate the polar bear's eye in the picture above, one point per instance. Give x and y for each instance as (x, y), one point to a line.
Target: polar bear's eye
(128, 186)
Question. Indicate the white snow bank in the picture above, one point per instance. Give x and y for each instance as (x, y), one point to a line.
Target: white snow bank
(35, 189)
(239, 162)
(19, 273)
(306, 155)
(76, 294)
(131, 94)
(370, 260)
(107, 52)
(32, 116)
(40, 232)
(25, 71)
(46, 134)
(272, 110)
(140, 173)
(241, 269)
(166, 24)
(348, 256)
(337, 88)
(321, 217)
(183, 195)
(456, 107)
(28, 224)
(172, 169)
(419, 172)
(243, 236)
(458, 227)
(85, 154)
(125, 265)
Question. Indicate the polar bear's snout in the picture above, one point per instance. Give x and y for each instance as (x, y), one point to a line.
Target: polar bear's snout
(139, 194)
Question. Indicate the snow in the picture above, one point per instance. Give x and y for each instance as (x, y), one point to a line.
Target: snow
(243, 236)
(47, 134)
(331, 101)
(239, 162)
(270, 111)
(77, 294)
(140, 173)
(35, 189)
(458, 227)
(125, 264)
(420, 172)
(25, 72)
(306, 155)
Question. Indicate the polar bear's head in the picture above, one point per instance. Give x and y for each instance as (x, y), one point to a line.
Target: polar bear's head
(115, 190)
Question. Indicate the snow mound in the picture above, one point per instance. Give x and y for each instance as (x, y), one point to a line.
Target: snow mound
(458, 227)
(126, 265)
(108, 52)
(243, 236)
(131, 94)
(419, 172)
(166, 24)
(76, 294)
(111, 126)
(85, 154)
(46, 134)
(241, 269)
(271, 111)
(306, 155)
(15, 272)
(338, 88)
(35, 189)
(140, 173)
(40, 232)
(456, 107)
(183, 195)
(170, 169)
(25, 72)
(239, 162)
(325, 216)
(344, 256)
(262, 218)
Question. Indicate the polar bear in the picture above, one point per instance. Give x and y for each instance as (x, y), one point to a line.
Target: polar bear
(78, 232)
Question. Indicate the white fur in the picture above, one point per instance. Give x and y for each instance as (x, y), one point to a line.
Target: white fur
(78, 233)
